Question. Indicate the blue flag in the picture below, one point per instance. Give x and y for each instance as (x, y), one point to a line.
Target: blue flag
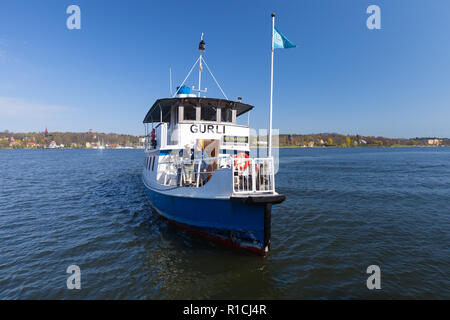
(280, 41)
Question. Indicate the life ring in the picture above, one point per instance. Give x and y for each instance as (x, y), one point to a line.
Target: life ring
(246, 163)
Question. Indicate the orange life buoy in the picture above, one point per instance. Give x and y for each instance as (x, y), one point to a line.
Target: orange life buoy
(241, 155)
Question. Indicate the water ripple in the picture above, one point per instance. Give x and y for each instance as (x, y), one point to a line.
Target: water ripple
(345, 210)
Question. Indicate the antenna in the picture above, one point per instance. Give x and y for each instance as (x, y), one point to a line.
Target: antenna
(170, 80)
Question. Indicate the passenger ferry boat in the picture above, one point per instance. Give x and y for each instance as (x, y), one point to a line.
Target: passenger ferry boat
(198, 172)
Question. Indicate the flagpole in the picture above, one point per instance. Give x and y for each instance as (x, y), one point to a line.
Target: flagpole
(271, 89)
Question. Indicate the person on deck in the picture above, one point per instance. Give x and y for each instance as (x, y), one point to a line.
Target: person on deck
(153, 137)
(198, 160)
(188, 164)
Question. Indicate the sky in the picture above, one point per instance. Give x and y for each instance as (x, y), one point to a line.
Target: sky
(341, 77)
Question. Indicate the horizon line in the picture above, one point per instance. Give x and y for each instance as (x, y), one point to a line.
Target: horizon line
(296, 134)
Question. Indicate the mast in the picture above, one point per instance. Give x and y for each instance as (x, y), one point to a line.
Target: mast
(201, 48)
(200, 61)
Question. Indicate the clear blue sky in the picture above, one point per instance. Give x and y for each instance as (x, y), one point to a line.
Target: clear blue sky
(341, 78)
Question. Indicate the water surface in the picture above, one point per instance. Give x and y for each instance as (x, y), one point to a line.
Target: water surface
(346, 209)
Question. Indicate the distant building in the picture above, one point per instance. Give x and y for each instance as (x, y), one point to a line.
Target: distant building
(14, 143)
(88, 145)
(310, 144)
(52, 145)
(290, 139)
(262, 143)
(434, 142)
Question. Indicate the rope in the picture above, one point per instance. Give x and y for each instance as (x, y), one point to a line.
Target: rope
(186, 77)
(214, 79)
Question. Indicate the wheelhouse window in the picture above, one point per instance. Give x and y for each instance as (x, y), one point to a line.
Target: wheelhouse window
(189, 113)
(208, 113)
(226, 115)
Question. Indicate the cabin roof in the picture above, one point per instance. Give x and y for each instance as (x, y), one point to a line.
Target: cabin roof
(164, 106)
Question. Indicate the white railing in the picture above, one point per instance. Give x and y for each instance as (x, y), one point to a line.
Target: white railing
(250, 175)
(253, 175)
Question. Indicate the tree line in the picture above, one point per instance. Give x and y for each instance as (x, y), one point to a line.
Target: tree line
(68, 139)
(340, 140)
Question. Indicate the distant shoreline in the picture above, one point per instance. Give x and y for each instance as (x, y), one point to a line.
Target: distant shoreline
(251, 147)
(72, 149)
(339, 147)
(98, 140)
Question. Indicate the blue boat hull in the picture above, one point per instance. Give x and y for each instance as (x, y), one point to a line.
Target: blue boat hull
(234, 223)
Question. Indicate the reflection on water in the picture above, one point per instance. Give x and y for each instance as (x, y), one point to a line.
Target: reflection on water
(345, 210)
